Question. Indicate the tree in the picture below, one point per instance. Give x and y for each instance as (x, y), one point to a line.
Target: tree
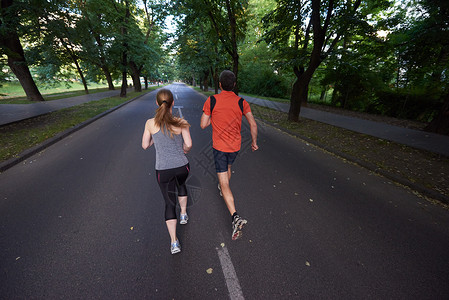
(259, 73)
(61, 35)
(199, 52)
(12, 47)
(229, 21)
(98, 30)
(141, 50)
(309, 31)
(426, 55)
(226, 19)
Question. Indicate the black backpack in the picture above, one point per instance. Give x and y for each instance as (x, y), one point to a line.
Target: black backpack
(213, 101)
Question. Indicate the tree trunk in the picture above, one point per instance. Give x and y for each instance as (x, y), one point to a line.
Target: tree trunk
(135, 74)
(124, 80)
(9, 41)
(299, 93)
(440, 124)
(103, 64)
(80, 72)
(108, 77)
(206, 80)
(298, 96)
(235, 69)
(234, 50)
(124, 32)
(301, 86)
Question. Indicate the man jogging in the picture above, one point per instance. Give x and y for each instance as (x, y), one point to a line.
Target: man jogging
(224, 111)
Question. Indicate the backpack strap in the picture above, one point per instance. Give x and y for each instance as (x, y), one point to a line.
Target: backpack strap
(241, 104)
(212, 104)
(213, 101)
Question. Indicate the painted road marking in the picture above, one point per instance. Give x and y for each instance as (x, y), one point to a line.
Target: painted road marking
(232, 282)
(179, 110)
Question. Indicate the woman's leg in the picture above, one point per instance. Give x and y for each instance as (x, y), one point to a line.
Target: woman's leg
(183, 204)
(171, 226)
(181, 178)
(167, 184)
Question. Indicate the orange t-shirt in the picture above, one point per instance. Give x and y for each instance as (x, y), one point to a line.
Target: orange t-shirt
(226, 121)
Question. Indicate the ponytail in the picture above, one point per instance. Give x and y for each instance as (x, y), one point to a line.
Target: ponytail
(163, 118)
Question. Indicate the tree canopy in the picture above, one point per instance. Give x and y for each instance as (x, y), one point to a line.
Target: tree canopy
(387, 57)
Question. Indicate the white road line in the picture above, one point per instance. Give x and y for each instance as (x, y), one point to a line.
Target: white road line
(179, 110)
(232, 282)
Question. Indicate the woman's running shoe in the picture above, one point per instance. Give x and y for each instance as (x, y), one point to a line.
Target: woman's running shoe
(175, 247)
(183, 218)
(237, 225)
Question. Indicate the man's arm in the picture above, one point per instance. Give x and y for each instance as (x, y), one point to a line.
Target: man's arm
(253, 127)
(205, 121)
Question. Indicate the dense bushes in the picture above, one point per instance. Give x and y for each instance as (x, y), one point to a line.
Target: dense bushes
(263, 83)
(406, 104)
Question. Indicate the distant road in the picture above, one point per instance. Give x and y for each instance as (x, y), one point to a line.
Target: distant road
(84, 219)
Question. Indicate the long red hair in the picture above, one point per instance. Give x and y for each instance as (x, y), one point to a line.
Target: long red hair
(164, 118)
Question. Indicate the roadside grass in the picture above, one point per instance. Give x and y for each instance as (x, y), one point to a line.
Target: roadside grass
(208, 93)
(422, 167)
(12, 94)
(425, 168)
(20, 136)
(51, 97)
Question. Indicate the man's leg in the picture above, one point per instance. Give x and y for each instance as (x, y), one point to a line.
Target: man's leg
(223, 179)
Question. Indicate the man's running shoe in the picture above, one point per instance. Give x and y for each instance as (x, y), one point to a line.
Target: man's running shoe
(219, 189)
(237, 225)
(183, 219)
(175, 247)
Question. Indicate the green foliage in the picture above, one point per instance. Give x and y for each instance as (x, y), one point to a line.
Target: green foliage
(59, 36)
(413, 104)
(402, 73)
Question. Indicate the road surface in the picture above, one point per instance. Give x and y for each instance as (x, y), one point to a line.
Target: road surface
(84, 219)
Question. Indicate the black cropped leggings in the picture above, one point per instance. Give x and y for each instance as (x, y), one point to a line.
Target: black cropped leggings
(169, 181)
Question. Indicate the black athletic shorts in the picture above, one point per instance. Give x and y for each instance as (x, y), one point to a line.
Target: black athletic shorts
(223, 160)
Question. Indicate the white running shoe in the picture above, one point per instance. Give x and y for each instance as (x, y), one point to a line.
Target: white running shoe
(175, 247)
(237, 225)
(183, 218)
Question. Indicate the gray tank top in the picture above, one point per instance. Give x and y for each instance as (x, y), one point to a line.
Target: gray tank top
(169, 151)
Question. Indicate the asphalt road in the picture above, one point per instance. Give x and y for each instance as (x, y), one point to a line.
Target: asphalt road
(84, 219)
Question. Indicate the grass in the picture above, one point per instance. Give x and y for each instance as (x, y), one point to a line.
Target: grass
(18, 137)
(13, 93)
(424, 168)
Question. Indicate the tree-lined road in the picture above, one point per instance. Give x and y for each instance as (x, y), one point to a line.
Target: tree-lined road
(84, 219)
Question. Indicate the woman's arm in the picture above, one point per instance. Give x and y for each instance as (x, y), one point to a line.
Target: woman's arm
(187, 139)
(147, 139)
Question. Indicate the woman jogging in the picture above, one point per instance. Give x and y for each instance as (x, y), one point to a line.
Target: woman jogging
(171, 137)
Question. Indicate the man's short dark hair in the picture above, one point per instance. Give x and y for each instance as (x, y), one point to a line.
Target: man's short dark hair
(227, 80)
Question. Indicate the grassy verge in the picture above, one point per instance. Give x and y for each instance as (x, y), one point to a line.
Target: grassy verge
(20, 136)
(52, 96)
(12, 92)
(418, 166)
(421, 167)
